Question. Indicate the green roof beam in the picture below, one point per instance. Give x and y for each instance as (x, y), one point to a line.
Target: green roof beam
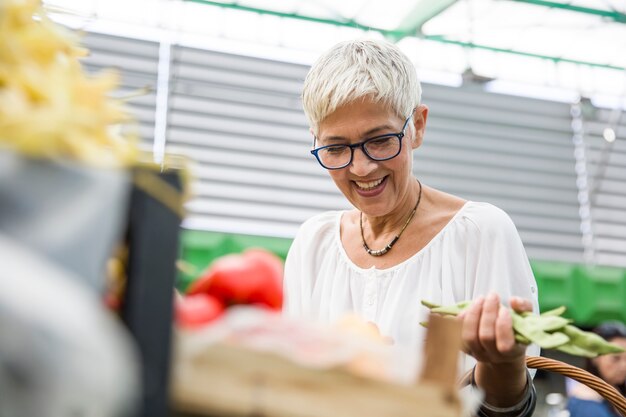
(345, 23)
(399, 34)
(423, 11)
(613, 15)
(443, 39)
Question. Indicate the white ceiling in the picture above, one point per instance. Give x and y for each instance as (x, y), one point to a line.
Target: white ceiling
(524, 46)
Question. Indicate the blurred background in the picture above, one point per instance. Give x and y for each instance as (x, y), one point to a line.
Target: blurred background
(527, 104)
(526, 98)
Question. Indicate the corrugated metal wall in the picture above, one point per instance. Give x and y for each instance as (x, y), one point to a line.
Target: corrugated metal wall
(240, 122)
(606, 167)
(514, 152)
(137, 63)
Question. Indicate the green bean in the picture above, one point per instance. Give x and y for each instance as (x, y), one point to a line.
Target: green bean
(554, 312)
(548, 330)
(452, 310)
(575, 350)
(534, 333)
(546, 323)
(590, 341)
(429, 304)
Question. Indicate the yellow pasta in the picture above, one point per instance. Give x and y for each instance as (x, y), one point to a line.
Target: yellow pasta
(49, 106)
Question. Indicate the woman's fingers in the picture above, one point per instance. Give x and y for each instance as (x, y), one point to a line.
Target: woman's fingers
(488, 319)
(520, 304)
(488, 329)
(471, 324)
(505, 339)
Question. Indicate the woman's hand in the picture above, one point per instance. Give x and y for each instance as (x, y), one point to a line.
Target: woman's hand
(487, 335)
(488, 330)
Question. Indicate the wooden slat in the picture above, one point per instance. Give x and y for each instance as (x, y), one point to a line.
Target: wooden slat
(223, 380)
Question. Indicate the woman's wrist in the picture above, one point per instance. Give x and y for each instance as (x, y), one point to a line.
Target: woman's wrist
(524, 407)
(503, 383)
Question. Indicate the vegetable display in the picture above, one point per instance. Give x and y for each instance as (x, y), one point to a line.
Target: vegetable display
(253, 277)
(549, 330)
(196, 310)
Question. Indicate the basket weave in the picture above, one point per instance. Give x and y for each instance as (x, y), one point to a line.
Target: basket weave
(600, 386)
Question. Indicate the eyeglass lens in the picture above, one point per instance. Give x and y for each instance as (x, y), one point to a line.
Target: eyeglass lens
(382, 148)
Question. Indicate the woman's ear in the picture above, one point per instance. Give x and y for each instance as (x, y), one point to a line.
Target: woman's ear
(420, 114)
(313, 136)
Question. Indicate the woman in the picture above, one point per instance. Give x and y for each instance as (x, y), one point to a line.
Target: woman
(403, 241)
(584, 401)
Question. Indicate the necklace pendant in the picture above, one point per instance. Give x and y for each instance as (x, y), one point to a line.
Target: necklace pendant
(379, 252)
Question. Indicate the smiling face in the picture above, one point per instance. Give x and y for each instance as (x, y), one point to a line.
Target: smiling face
(377, 188)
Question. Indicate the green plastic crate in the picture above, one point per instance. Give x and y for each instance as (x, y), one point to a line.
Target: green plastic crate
(601, 294)
(557, 286)
(591, 294)
(200, 248)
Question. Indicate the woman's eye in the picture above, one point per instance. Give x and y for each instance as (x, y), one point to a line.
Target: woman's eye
(380, 141)
(336, 149)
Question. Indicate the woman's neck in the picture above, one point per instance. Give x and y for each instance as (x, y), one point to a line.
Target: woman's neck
(392, 223)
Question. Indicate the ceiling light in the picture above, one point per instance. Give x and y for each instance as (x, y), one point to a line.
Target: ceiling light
(609, 134)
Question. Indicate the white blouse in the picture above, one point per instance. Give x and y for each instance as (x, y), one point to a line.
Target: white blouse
(477, 252)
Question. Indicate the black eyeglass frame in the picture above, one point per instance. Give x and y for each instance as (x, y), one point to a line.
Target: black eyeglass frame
(361, 145)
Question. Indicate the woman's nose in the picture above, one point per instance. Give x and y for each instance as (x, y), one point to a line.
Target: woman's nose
(361, 164)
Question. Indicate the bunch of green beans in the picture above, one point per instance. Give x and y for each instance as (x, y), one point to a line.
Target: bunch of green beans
(548, 330)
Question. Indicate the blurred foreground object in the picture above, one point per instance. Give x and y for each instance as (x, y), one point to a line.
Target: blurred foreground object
(256, 362)
(61, 353)
(60, 152)
(72, 188)
(49, 106)
(147, 302)
(57, 208)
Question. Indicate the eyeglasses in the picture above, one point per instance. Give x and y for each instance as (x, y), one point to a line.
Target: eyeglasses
(379, 148)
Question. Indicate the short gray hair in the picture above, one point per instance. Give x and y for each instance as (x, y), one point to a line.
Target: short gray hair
(356, 69)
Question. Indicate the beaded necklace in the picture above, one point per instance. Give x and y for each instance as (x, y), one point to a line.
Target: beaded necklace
(387, 248)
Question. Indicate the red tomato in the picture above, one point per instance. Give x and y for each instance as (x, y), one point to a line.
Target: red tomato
(196, 310)
(254, 277)
(270, 293)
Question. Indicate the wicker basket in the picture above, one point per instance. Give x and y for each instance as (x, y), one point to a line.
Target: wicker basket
(607, 391)
(601, 387)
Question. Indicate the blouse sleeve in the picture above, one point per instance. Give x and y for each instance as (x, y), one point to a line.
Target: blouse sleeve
(500, 262)
(292, 284)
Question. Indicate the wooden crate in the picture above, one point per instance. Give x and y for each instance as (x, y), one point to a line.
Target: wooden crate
(228, 381)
